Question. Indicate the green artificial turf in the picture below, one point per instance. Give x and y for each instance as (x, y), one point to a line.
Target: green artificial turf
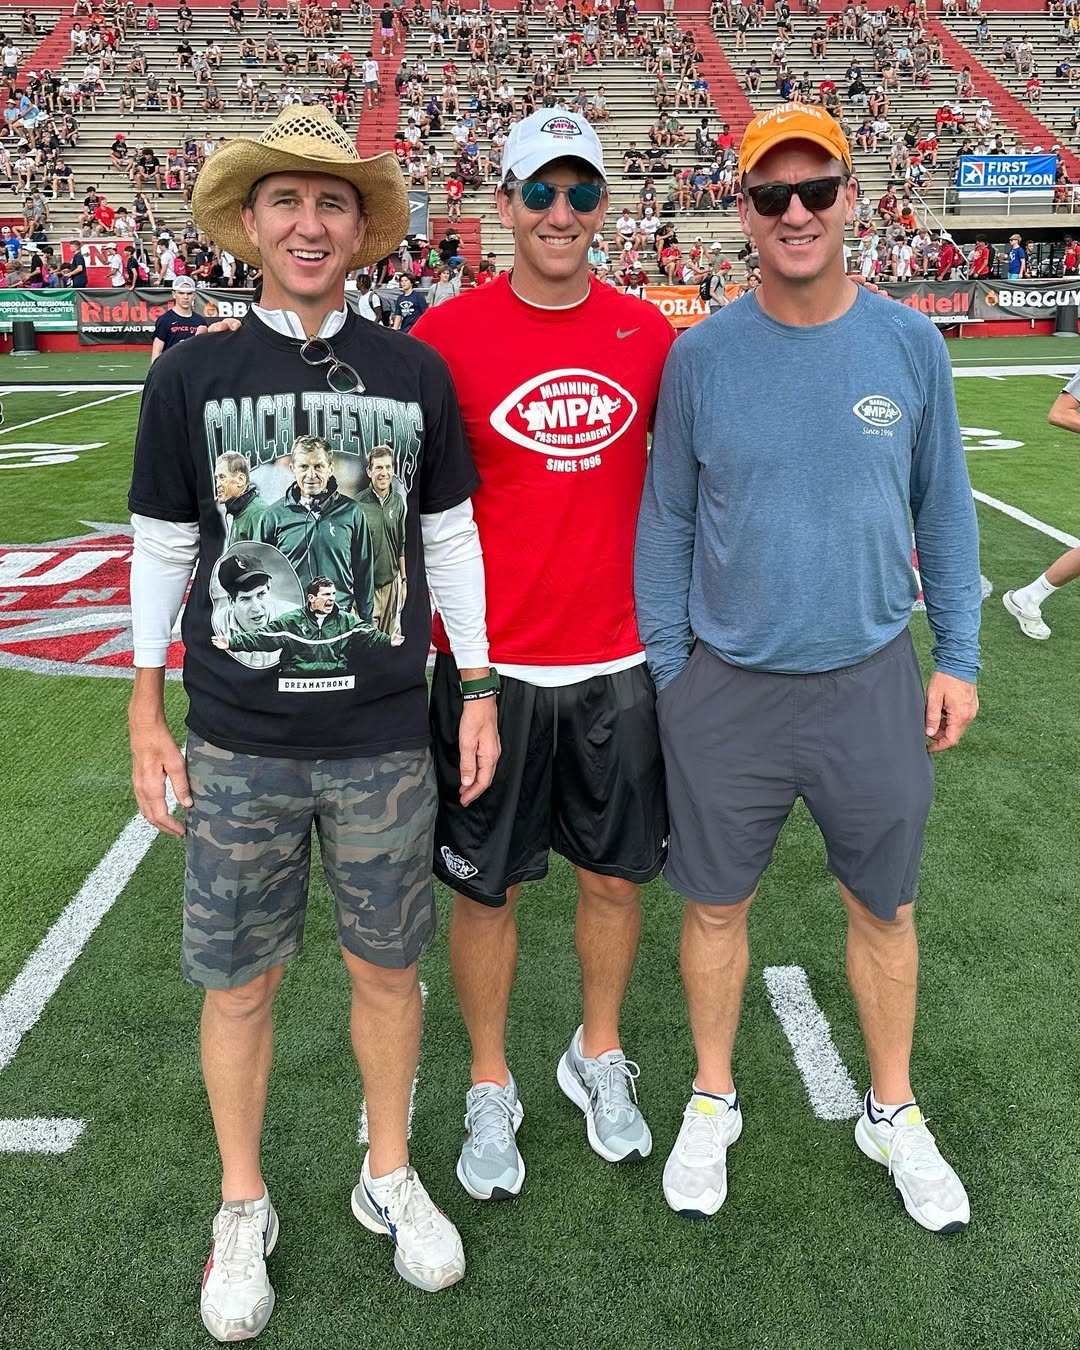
(104, 1246)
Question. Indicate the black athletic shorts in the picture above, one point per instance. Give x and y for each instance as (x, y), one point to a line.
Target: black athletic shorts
(581, 772)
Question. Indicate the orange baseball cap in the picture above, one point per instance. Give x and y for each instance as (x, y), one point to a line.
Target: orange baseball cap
(792, 122)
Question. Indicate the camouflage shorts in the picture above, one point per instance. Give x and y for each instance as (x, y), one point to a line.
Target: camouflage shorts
(249, 852)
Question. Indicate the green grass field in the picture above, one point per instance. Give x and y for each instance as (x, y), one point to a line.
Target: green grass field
(103, 1245)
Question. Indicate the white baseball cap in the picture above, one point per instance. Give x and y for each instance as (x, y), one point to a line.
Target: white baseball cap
(182, 284)
(551, 133)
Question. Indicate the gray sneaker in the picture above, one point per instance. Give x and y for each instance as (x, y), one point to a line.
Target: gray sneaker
(605, 1090)
(490, 1166)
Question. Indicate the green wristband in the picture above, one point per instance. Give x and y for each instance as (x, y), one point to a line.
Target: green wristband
(486, 684)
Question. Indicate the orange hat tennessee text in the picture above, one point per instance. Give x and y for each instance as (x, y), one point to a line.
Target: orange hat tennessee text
(792, 122)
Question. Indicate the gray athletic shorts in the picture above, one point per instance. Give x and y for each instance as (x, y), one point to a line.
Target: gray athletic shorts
(249, 851)
(740, 746)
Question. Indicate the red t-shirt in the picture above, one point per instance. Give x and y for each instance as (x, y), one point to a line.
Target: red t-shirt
(980, 261)
(557, 407)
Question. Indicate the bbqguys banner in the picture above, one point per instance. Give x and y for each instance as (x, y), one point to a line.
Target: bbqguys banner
(128, 317)
(1024, 299)
(682, 306)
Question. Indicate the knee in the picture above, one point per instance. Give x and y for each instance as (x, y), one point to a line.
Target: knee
(613, 891)
(864, 921)
(248, 1002)
(473, 914)
(717, 922)
(380, 984)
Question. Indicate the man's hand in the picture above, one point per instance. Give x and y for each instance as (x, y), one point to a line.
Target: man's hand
(221, 326)
(951, 704)
(156, 758)
(478, 747)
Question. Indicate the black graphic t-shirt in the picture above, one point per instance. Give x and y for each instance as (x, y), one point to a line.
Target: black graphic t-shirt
(172, 328)
(288, 650)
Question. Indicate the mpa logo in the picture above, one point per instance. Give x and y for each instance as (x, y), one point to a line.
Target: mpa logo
(65, 605)
(877, 411)
(562, 127)
(459, 868)
(570, 412)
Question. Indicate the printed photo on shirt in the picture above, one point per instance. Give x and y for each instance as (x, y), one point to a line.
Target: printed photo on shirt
(336, 519)
(251, 586)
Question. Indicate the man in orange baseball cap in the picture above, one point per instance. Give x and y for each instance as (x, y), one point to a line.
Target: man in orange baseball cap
(774, 591)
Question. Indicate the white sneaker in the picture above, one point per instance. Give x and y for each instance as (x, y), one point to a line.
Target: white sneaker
(428, 1251)
(237, 1296)
(695, 1174)
(931, 1191)
(1029, 617)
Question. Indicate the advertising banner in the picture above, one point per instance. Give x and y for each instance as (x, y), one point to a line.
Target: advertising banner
(938, 300)
(50, 310)
(682, 306)
(1027, 175)
(419, 209)
(1024, 299)
(112, 316)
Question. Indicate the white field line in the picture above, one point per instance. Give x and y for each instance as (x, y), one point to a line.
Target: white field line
(362, 1129)
(65, 412)
(1069, 540)
(29, 993)
(829, 1085)
(114, 387)
(1063, 371)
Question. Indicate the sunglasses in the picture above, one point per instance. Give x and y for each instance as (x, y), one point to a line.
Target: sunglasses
(540, 196)
(341, 377)
(816, 194)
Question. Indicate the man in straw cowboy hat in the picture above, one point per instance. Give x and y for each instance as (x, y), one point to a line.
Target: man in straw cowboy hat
(774, 589)
(342, 743)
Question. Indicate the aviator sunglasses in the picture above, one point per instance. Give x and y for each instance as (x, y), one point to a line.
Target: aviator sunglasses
(540, 196)
(773, 199)
(341, 377)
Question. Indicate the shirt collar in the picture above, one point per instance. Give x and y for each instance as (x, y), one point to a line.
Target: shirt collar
(286, 322)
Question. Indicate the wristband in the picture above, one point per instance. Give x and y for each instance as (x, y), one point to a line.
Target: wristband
(479, 693)
(485, 684)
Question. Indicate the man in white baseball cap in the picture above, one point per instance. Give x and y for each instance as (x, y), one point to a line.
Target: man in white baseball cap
(550, 359)
(178, 323)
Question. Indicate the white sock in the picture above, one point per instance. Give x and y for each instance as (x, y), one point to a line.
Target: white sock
(1031, 597)
(886, 1109)
(729, 1097)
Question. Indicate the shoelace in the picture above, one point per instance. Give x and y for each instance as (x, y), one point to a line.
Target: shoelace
(701, 1136)
(238, 1244)
(411, 1205)
(615, 1088)
(489, 1120)
(917, 1149)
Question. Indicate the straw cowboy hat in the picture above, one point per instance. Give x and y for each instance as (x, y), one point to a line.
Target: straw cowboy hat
(301, 139)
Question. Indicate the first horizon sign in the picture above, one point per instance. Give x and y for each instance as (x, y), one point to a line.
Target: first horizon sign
(1006, 173)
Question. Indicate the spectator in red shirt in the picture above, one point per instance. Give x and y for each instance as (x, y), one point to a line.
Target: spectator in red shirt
(1070, 262)
(455, 190)
(948, 257)
(726, 140)
(888, 207)
(104, 214)
(979, 265)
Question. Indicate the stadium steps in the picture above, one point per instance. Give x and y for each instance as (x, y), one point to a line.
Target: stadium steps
(1005, 103)
(726, 94)
(376, 126)
(52, 51)
(468, 227)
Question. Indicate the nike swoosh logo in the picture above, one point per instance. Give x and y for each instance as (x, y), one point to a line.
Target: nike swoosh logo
(625, 332)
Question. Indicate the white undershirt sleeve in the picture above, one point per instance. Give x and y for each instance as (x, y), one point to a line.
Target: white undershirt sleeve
(161, 565)
(454, 563)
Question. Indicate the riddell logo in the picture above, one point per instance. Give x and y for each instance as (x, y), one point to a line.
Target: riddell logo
(64, 606)
(569, 412)
(953, 302)
(561, 126)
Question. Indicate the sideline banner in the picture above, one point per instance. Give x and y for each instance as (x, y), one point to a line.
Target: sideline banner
(682, 306)
(940, 300)
(1025, 299)
(112, 316)
(49, 309)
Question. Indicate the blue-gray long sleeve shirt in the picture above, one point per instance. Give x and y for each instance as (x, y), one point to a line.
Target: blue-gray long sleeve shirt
(788, 468)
